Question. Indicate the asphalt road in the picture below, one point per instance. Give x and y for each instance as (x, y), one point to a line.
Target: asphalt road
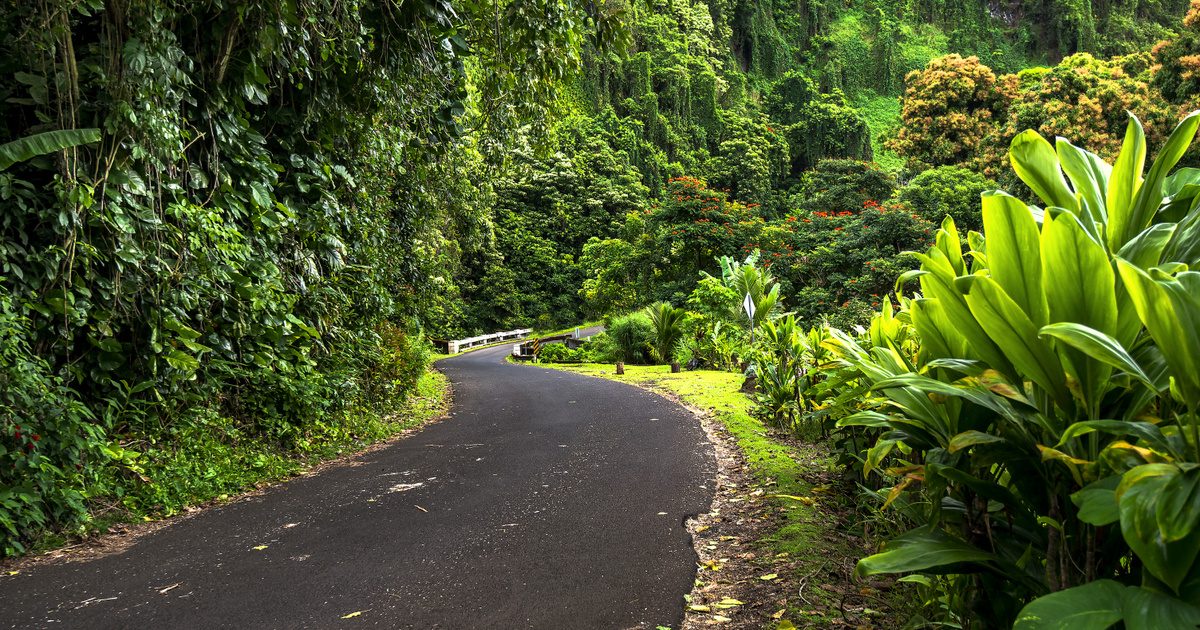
(547, 500)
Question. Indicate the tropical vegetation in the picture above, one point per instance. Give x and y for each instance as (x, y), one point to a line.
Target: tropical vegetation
(231, 230)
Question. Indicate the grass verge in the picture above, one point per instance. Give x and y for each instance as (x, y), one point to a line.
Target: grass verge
(809, 506)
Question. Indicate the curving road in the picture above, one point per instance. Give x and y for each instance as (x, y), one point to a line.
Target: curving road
(547, 500)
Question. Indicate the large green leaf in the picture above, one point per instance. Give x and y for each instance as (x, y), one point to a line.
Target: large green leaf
(1093, 606)
(919, 550)
(1079, 281)
(1036, 163)
(1144, 250)
(1146, 609)
(1015, 252)
(1145, 431)
(1098, 346)
(1100, 604)
(1080, 287)
(938, 337)
(1150, 195)
(1179, 506)
(1017, 337)
(1124, 182)
(1170, 309)
(1184, 245)
(42, 143)
(1097, 502)
(1089, 175)
(953, 316)
(1140, 497)
(967, 439)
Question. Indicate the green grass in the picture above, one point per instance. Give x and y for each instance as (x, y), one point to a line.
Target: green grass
(883, 117)
(807, 534)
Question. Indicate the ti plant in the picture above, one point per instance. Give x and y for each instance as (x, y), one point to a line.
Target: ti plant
(1049, 420)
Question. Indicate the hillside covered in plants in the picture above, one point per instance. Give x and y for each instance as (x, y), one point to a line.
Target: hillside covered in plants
(230, 230)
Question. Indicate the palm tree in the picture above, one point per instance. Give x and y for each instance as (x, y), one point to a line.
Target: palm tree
(668, 328)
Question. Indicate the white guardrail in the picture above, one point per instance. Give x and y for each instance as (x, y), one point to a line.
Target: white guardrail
(470, 342)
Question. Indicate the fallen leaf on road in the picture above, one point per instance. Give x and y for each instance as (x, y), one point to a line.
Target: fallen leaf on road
(699, 608)
(785, 625)
(768, 577)
(163, 591)
(728, 602)
(420, 508)
(353, 614)
(804, 500)
(13, 572)
(721, 618)
(778, 614)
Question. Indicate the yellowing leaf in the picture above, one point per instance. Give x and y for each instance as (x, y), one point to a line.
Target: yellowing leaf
(721, 618)
(259, 547)
(778, 614)
(353, 614)
(785, 625)
(699, 608)
(768, 577)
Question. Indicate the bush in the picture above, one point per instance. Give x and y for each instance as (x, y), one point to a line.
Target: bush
(560, 353)
(629, 338)
(51, 448)
(1046, 433)
(947, 191)
(843, 186)
(398, 363)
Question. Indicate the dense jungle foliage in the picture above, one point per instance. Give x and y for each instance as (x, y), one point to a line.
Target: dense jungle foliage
(230, 228)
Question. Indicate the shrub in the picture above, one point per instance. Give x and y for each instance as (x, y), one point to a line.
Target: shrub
(560, 353)
(947, 191)
(398, 363)
(949, 108)
(1048, 428)
(631, 338)
(51, 447)
(842, 186)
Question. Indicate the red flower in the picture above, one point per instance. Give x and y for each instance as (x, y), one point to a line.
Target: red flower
(36, 437)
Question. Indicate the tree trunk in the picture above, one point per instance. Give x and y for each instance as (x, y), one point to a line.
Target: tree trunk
(620, 367)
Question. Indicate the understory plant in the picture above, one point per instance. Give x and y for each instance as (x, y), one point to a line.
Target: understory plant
(1044, 431)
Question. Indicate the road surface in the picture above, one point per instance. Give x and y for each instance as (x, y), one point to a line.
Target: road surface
(546, 500)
